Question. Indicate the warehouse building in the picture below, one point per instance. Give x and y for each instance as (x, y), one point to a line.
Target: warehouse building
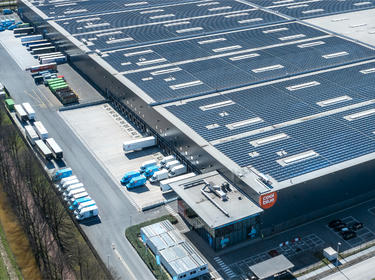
(177, 256)
(283, 110)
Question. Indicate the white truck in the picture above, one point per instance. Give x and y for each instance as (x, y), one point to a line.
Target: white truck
(88, 212)
(41, 130)
(172, 164)
(147, 164)
(72, 187)
(84, 205)
(31, 135)
(70, 194)
(177, 170)
(67, 184)
(29, 111)
(20, 113)
(164, 185)
(159, 175)
(138, 144)
(166, 159)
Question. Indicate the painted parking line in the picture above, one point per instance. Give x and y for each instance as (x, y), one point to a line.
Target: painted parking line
(227, 270)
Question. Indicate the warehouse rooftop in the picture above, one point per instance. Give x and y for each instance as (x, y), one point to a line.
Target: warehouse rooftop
(217, 208)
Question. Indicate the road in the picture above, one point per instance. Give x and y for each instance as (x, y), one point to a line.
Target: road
(116, 211)
(361, 271)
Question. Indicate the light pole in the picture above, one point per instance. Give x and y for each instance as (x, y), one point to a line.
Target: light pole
(338, 253)
(108, 262)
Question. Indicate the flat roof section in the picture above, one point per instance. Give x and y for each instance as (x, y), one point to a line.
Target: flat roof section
(181, 69)
(314, 8)
(72, 8)
(356, 25)
(213, 210)
(271, 267)
(279, 128)
(131, 28)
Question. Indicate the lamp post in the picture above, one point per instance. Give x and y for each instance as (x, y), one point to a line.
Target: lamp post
(338, 253)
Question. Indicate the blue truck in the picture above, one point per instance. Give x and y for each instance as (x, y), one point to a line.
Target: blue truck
(151, 170)
(62, 173)
(7, 11)
(128, 176)
(77, 202)
(136, 182)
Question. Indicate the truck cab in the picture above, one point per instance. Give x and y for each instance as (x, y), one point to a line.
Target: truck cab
(150, 171)
(136, 182)
(128, 176)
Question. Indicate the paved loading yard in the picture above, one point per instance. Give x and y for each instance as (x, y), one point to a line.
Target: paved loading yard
(104, 137)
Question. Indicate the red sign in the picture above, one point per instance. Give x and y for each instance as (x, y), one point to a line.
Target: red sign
(268, 200)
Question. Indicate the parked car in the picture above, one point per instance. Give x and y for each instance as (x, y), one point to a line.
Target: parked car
(348, 235)
(340, 226)
(334, 223)
(356, 226)
(273, 253)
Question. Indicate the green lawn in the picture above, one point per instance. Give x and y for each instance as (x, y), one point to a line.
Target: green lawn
(133, 235)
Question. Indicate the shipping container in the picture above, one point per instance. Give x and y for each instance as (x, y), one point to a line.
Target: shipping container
(10, 104)
(20, 113)
(41, 130)
(35, 42)
(41, 67)
(24, 30)
(31, 38)
(29, 111)
(43, 150)
(138, 144)
(37, 46)
(43, 50)
(31, 134)
(55, 148)
(57, 59)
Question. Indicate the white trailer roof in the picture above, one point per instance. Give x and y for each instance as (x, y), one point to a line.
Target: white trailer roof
(54, 146)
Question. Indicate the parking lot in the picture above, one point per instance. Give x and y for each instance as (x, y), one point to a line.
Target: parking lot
(104, 137)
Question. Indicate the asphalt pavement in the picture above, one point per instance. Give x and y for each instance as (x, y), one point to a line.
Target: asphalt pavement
(115, 211)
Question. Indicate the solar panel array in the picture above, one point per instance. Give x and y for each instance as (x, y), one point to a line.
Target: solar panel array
(290, 118)
(205, 61)
(303, 9)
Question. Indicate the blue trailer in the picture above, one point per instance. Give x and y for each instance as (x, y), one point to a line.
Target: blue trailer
(62, 173)
(7, 12)
(151, 170)
(128, 176)
(136, 182)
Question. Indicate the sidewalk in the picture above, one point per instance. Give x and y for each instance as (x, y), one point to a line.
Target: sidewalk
(331, 268)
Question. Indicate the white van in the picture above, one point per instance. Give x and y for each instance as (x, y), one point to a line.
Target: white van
(63, 180)
(167, 159)
(84, 205)
(88, 212)
(67, 184)
(171, 164)
(73, 187)
(70, 194)
(147, 164)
